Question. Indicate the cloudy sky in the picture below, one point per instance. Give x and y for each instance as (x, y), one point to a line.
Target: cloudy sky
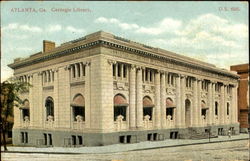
(214, 32)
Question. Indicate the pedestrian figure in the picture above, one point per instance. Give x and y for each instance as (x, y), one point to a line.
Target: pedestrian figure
(229, 133)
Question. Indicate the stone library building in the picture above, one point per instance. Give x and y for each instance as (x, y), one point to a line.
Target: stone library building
(102, 89)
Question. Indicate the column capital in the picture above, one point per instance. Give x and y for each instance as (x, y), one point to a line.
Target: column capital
(111, 62)
(162, 71)
(180, 75)
(55, 70)
(139, 67)
(132, 66)
(87, 63)
(67, 67)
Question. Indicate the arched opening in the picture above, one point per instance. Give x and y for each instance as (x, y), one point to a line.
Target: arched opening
(203, 109)
(120, 107)
(216, 109)
(25, 110)
(78, 108)
(228, 108)
(187, 112)
(148, 107)
(170, 108)
(49, 105)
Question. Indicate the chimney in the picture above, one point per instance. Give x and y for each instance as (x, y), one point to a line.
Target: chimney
(48, 45)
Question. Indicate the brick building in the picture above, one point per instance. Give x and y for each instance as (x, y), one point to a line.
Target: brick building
(243, 95)
(103, 89)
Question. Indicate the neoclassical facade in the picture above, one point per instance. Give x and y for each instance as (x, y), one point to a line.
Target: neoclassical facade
(102, 89)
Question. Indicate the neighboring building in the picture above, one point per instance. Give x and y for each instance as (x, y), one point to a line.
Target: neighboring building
(102, 89)
(243, 96)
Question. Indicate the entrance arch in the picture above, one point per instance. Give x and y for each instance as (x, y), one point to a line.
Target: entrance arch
(187, 112)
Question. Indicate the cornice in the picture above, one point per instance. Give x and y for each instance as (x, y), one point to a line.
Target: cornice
(116, 46)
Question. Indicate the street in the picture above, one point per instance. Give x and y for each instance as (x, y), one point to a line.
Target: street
(234, 150)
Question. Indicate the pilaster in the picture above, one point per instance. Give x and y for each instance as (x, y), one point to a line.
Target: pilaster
(132, 96)
(157, 101)
(139, 105)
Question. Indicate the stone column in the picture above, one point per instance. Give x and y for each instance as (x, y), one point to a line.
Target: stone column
(210, 103)
(225, 104)
(56, 96)
(195, 104)
(178, 101)
(87, 95)
(139, 105)
(122, 66)
(163, 99)
(213, 102)
(81, 69)
(132, 96)
(31, 101)
(222, 104)
(47, 71)
(183, 87)
(71, 71)
(199, 102)
(157, 101)
(234, 105)
(76, 69)
(116, 70)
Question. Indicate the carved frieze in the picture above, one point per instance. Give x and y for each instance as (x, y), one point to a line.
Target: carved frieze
(204, 95)
(148, 88)
(120, 86)
(170, 91)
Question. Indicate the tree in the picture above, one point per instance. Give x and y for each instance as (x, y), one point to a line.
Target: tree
(10, 91)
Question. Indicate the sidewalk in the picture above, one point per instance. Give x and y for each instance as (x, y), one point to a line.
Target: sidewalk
(125, 147)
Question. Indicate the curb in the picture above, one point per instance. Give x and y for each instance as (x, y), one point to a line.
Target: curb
(140, 149)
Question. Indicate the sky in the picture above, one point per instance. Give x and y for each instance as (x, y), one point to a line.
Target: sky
(214, 32)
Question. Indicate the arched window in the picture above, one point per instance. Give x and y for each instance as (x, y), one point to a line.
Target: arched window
(228, 108)
(25, 109)
(170, 108)
(216, 109)
(148, 107)
(49, 104)
(120, 106)
(203, 108)
(78, 108)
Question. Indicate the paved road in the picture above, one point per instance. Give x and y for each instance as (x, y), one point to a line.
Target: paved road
(235, 150)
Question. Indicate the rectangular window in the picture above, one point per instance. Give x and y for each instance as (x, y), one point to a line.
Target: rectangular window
(78, 111)
(26, 112)
(50, 139)
(203, 112)
(170, 112)
(22, 137)
(73, 139)
(151, 76)
(146, 75)
(122, 139)
(124, 71)
(155, 136)
(26, 137)
(120, 110)
(45, 138)
(149, 137)
(128, 138)
(114, 71)
(148, 111)
(80, 140)
(119, 70)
